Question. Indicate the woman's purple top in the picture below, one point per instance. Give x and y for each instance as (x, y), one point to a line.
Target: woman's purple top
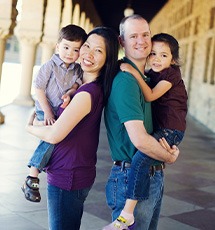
(170, 110)
(72, 164)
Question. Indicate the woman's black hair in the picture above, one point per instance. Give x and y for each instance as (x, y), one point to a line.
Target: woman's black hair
(109, 70)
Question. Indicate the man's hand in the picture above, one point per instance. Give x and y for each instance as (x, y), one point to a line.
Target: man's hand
(174, 151)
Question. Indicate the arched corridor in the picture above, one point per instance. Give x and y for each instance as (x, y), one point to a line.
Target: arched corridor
(37, 23)
(189, 200)
(192, 22)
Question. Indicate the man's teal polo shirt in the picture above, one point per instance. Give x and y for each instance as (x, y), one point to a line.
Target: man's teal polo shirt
(126, 103)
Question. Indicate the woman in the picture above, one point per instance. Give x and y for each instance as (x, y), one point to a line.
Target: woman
(71, 170)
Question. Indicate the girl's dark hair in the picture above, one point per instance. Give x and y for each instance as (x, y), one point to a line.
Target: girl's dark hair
(171, 42)
(109, 69)
(72, 33)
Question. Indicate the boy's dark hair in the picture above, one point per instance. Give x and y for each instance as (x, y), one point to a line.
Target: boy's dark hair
(171, 42)
(72, 33)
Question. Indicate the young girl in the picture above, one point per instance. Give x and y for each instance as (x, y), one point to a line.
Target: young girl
(169, 108)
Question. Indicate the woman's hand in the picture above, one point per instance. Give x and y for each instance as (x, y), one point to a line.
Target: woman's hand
(33, 120)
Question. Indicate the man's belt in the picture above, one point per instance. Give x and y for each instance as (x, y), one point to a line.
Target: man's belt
(128, 165)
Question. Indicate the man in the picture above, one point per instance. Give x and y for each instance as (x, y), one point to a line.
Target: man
(128, 122)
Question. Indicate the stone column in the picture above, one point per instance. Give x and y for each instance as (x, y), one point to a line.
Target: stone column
(76, 15)
(87, 25)
(28, 53)
(91, 26)
(82, 19)
(67, 13)
(2, 52)
(8, 15)
(51, 28)
(28, 32)
(2, 49)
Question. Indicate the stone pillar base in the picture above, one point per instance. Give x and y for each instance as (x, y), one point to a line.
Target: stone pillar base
(23, 100)
(1, 118)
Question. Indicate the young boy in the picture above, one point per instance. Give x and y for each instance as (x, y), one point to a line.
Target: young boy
(56, 81)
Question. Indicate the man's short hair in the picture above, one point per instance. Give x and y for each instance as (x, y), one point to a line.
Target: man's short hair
(122, 23)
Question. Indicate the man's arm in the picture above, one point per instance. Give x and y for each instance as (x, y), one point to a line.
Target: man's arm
(148, 144)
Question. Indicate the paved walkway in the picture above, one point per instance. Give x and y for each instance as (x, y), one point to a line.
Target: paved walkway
(189, 200)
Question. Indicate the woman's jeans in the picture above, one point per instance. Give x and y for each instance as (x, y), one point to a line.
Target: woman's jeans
(65, 208)
(141, 164)
(147, 211)
(43, 151)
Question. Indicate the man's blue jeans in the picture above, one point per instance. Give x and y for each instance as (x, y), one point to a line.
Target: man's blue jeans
(147, 211)
(43, 151)
(65, 208)
(137, 182)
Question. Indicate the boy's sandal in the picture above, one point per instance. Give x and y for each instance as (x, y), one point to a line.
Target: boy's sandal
(31, 189)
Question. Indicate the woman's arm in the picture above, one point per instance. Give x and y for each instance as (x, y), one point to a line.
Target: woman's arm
(150, 94)
(77, 109)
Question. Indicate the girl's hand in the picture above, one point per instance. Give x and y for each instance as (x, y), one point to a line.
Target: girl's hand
(129, 68)
(126, 67)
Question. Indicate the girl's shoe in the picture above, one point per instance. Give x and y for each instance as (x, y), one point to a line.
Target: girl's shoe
(31, 189)
(119, 224)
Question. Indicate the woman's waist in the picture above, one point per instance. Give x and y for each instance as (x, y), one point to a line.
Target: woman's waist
(71, 179)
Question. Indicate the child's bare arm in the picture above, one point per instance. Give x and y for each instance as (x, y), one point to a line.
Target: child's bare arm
(73, 89)
(49, 118)
(67, 96)
(129, 68)
(144, 87)
(150, 94)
